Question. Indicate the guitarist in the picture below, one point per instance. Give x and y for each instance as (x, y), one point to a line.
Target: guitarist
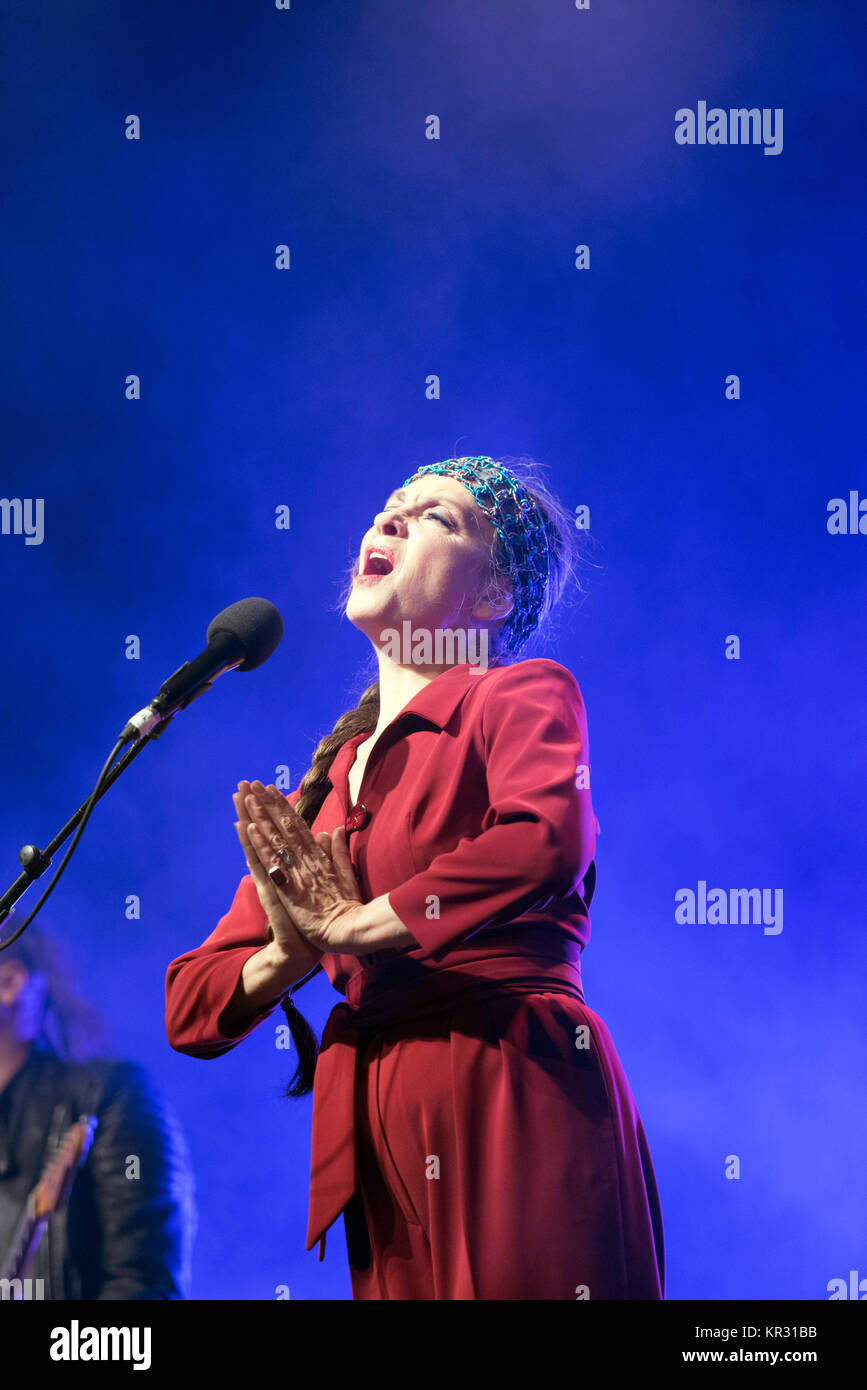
(120, 1236)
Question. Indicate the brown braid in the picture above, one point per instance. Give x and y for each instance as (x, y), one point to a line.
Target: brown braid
(315, 785)
(312, 792)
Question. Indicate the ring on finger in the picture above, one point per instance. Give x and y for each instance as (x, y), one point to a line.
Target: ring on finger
(276, 874)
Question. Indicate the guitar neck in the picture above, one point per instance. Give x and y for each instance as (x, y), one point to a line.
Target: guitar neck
(48, 1196)
(25, 1241)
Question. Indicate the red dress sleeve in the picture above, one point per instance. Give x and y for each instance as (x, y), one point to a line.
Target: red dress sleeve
(538, 836)
(200, 983)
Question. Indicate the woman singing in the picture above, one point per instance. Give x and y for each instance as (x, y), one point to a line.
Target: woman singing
(471, 1117)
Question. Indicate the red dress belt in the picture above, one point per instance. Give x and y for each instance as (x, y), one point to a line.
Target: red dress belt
(400, 990)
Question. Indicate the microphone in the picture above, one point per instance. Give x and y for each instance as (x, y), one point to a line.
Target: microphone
(240, 638)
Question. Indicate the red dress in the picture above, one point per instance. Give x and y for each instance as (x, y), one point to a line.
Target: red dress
(471, 1117)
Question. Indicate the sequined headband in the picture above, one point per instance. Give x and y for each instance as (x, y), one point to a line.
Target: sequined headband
(518, 522)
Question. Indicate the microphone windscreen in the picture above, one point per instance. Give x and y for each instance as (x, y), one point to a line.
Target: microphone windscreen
(256, 624)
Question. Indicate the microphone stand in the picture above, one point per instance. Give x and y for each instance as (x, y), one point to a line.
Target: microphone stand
(35, 860)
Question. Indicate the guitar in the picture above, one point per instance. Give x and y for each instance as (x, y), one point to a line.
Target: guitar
(49, 1195)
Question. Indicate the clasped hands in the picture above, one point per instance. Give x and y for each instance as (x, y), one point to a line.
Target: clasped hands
(320, 894)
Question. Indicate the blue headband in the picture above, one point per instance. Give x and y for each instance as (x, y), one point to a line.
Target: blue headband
(517, 521)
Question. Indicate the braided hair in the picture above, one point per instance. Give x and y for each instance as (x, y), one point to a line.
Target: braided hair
(312, 793)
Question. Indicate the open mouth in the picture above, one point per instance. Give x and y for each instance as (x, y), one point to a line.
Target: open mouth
(377, 561)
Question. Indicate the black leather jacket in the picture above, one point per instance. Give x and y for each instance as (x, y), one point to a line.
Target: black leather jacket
(122, 1237)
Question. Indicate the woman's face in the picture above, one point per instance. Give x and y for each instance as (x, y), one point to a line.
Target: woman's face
(424, 560)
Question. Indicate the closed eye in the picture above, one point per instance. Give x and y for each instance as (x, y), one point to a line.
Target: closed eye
(437, 515)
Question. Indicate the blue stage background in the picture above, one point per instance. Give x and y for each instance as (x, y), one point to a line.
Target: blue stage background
(305, 388)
